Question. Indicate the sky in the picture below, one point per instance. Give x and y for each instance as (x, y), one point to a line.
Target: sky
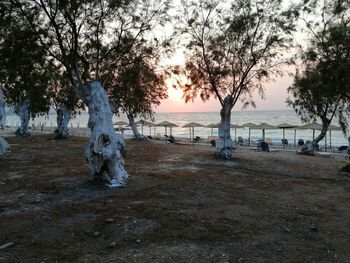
(275, 92)
(275, 97)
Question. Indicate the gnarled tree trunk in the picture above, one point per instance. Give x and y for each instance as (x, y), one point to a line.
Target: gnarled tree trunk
(2, 110)
(63, 118)
(104, 151)
(224, 148)
(133, 126)
(311, 147)
(24, 116)
(4, 146)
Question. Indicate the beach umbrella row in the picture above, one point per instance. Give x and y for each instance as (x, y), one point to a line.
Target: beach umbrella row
(192, 125)
(262, 126)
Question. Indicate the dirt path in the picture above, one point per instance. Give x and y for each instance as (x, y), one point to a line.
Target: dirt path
(181, 204)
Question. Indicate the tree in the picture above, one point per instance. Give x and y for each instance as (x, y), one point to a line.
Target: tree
(4, 146)
(231, 48)
(86, 37)
(64, 100)
(23, 68)
(2, 109)
(139, 85)
(322, 87)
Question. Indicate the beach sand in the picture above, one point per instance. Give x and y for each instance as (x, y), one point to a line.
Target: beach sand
(181, 204)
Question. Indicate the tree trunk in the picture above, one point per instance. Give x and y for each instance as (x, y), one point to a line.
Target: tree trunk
(2, 110)
(224, 148)
(63, 118)
(24, 116)
(311, 147)
(104, 151)
(4, 146)
(133, 126)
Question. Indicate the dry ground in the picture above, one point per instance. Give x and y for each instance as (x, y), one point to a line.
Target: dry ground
(181, 204)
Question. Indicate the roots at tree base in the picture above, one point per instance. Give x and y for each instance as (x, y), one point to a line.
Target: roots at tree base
(104, 151)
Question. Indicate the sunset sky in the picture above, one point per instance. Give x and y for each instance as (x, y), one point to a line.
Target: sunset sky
(275, 95)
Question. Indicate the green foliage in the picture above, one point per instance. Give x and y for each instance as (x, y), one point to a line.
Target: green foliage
(233, 47)
(22, 63)
(139, 85)
(322, 87)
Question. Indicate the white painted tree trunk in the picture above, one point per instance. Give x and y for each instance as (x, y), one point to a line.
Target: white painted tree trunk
(311, 147)
(104, 151)
(2, 110)
(63, 118)
(4, 146)
(224, 148)
(134, 129)
(24, 116)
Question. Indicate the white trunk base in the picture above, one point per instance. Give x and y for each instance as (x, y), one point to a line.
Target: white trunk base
(24, 116)
(4, 146)
(134, 129)
(63, 118)
(103, 152)
(224, 148)
(2, 110)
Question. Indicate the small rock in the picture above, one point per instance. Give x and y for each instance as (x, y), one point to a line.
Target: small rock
(112, 245)
(313, 228)
(6, 245)
(96, 234)
(109, 220)
(286, 229)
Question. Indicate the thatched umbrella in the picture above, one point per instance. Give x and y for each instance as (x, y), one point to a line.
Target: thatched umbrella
(167, 124)
(235, 126)
(142, 123)
(192, 125)
(120, 124)
(250, 126)
(264, 126)
(284, 126)
(212, 126)
(312, 126)
(151, 124)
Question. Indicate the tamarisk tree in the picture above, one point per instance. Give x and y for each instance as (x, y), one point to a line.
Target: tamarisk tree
(64, 100)
(321, 87)
(84, 37)
(4, 146)
(139, 85)
(2, 109)
(231, 48)
(22, 67)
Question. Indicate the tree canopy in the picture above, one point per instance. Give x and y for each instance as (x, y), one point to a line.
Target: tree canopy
(233, 47)
(321, 87)
(23, 65)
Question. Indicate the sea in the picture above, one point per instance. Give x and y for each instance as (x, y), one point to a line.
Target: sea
(272, 117)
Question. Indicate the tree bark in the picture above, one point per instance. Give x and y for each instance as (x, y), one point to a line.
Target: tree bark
(134, 129)
(224, 148)
(63, 118)
(311, 147)
(24, 116)
(2, 110)
(104, 151)
(4, 146)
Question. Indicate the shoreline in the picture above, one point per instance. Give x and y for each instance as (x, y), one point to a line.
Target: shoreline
(275, 147)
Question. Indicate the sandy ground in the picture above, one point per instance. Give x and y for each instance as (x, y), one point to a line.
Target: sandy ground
(181, 204)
